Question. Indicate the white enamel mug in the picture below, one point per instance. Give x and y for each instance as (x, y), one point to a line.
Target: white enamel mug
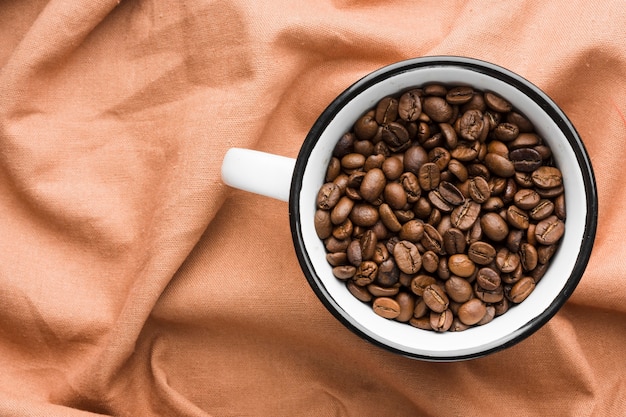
(298, 181)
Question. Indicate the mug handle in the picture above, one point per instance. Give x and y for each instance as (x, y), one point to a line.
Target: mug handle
(258, 172)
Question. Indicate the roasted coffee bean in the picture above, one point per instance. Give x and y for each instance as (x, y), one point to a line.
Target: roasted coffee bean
(395, 195)
(437, 108)
(353, 161)
(410, 105)
(429, 176)
(488, 296)
(430, 261)
(441, 322)
(396, 136)
(364, 215)
(354, 253)
(507, 261)
(373, 184)
(365, 273)
(407, 257)
(506, 131)
(406, 301)
(497, 103)
(528, 256)
(547, 177)
(550, 230)
(525, 159)
(479, 189)
(449, 135)
(387, 110)
(380, 291)
(323, 225)
(559, 207)
(461, 265)
(393, 168)
(435, 298)
(472, 311)
(493, 204)
(465, 215)
(413, 231)
(542, 209)
(517, 217)
(344, 272)
(481, 253)
(411, 187)
(499, 165)
(344, 230)
(488, 279)
(451, 194)
(337, 258)
(521, 290)
(432, 240)
(458, 289)
(386, 307)
(454, 241)
(437, 200)
(328, 196)
(471, 125)
(360, 293)
(458, 169)
(545, 253)
(494, 227)
(460, 95)
(526, 199)
(388, 273)
(389, 218)
(514, 239)
(490, 314)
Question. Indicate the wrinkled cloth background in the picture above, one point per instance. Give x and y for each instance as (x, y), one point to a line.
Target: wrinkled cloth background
(133, 282)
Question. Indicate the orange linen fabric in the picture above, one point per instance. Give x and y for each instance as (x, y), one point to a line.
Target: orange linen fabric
(133, 282)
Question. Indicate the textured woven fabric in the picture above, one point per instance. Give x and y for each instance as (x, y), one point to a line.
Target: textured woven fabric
(133, 282)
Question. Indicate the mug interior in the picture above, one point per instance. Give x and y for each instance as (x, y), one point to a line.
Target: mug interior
(566, 266)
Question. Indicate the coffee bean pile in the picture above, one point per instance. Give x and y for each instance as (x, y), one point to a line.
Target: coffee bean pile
(441, 208)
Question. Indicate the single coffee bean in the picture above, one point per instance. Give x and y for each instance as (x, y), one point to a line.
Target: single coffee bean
(360, 293)
(471, 125)
(441, 321)
(393, 168)
(488, 279)
(517, 217)
(345, 145)
(522, 122)
(547, 177)
(373, 161)
(465, 215)
(421, 322)
(368, 244)
(490, 314)
(396, 136)
(437, 108)
(506, 131)
(410, 105)
(341, 211)
(364, 215)
(479, 189)
(429, 176)
(414, 158)
(420, 282)
(407, 257)
(381, 254)
(526, 199)
(450, 193)
(466, 151)
(528, 256)
(332, 244)
(481, 253)
(354, 253)
(365, 128)
(411, 187)
(499, 165)
(542, 210)
(389, 218)
(430, 261)
(497, 103)
(450, 137)
(386, 307)
(406, 301)
(454, 241)
(322, 223)
(432, 240)
(551, 193)
(545, 253)
(387, 110)
(488, 296)
(507, 261)
(460, 95)
(514, 239)
(458, 169)
(521, 290)
(328, 196)
(380, 291)
(413, 231)
(550, 230)
(353, 161)
(493, 204)
(337, 258)
(472, 311)
(437, 200)
(435, 298)
(494, 227)
(365, 273)
(388, 273)
(461, 265)
(373, 184)
(559, 207)
(344, 272)
(525, 159)
(458, 289)
(395, 195)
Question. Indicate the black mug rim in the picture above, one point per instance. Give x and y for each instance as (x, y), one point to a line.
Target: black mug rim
(492, 70)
